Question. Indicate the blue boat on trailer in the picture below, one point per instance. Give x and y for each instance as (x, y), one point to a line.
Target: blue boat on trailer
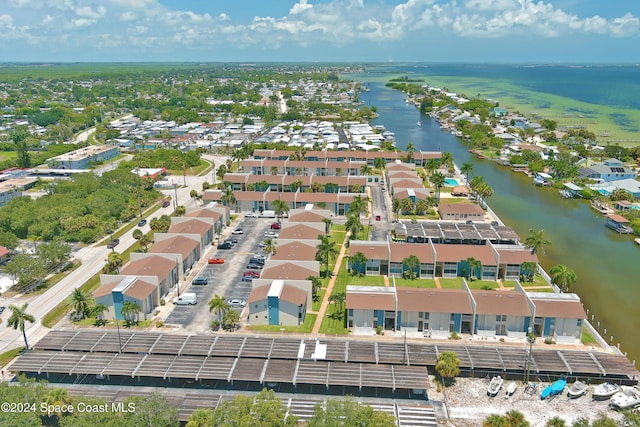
(554, 389)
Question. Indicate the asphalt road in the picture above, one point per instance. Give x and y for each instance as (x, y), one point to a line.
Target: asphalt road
(223, 279)
(380, 206)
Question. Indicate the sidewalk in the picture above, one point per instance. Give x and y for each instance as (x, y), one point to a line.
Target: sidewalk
(332, 281)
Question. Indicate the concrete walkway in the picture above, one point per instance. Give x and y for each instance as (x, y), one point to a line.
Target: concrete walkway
(437, 280)
(332, 281)
(386, 280)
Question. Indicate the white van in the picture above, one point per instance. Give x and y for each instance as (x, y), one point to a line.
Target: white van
(188, 298)
(268, 214)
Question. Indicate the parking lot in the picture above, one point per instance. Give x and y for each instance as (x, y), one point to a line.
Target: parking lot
(223, 279)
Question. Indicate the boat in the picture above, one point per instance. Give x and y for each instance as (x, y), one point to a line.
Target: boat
(602, 208)
(554, 389)
(494, 386)
(511, 388)
(577, 389)
(419, 124)
(637, 240)
(605, 391)
(627, 398)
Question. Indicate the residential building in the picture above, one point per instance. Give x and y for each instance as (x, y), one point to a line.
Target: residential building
(279, 302)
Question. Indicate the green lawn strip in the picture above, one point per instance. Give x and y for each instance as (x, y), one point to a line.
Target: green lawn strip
(452, 200)
(332, 324)
(509, 283)
(547, 290)
(587, 338)
(482, 284)
(316, 304)
(9, 355)
(306, 327)
(451, 283)
(366, 280)
(195, 170)
(134, 223)
(338, 227)
(338, 237)
(50, 319)
(53, 280)
(416, 283)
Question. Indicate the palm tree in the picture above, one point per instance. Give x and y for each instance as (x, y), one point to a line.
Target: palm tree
(228, 197)
(379, 163)
(327, 225)
(432, 165)
(269, 246)
(280, 208)
(474, 265)
(19, 315)
(114, 262)
(98, 311)
(316, 285)
(466, 170)
(353, 225)
(516, 419)
(358, 206)
(274, 170)
(563, 277)
(446, 160)
(410, 149)
(395, 206)
(495, 420)
(358, 263)
(406, 205)
(326, 251)
(80, 302)
(219, 306)
(180, 211)
(145, 241)
(365, 169)
(528, 269)
(194, 195)
(536, 241)
(557, 422)
(411, 266)
(295, 185)
(437, 180)
(130, 310)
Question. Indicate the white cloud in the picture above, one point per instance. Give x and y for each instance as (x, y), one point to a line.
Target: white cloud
(300, 7)
(89, 12)
(628, 25)
(491, 4)
(128, 16)
(47, 19)
(135, 4)
(82, 22)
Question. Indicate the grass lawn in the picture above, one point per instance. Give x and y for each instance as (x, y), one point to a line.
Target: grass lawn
(452, 200)
(332, 323)
(366, 280)
(338, 237)
(316, 304)
(587, 338)
(482, 284)
(416, 283)
(6, 155)
(509, 283)
(8, 356)
(306, 327)
(195, 170)
(547, 289)
(451, 283)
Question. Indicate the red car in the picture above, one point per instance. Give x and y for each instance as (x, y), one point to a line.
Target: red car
(378, 218)
(215, 261)
(251, 273)
(276, 226)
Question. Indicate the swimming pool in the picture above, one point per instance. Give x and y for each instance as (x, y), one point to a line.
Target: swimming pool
(450, 182)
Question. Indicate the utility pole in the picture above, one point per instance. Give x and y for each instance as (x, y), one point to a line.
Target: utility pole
(531, 338)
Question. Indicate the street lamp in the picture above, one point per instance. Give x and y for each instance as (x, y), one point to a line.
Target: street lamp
(531, 338)
(175, 198)
(115, 317)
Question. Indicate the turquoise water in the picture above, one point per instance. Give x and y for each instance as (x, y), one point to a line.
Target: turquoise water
(604, 261)
(450, 182)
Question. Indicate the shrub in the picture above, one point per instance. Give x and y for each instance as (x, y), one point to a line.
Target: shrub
(454, 336)
(162, 302)
(549, 340)
(159, 324)
(379, 330)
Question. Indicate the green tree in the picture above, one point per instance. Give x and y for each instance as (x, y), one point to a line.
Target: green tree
(200, 418)
(230, 319)
(563, 277)
(528, 269)
(536, 241)
(80, 302)
(358, 263)
(219, 306)
(603, 421)
(410, 149)
(228, 198)
(23, 158)
(264, 410)
(556, 422)
(326, 252)
(180, 211)
(437, 180)
(379, 163)
(53, 253)
(145, 241)
(353, 225)
(446, 160)
(280, 208)
(495, 420)
(516, 418)
(358, 206)
(113, 264)
(348, 412)
(467, 170)
(137, 234)
(447, 366)
(316, 285)
(411, 267)
(18, 318)
(395, 207)
(327, 225)
(130, 311)
(422, 206)
(407, 206)
(152, 411)
(98, 311)
(474, 265)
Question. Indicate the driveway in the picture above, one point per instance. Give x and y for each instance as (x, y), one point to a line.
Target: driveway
(223, 279)
(380, 205)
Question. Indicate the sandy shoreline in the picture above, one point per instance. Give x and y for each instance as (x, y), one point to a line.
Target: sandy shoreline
(469, 404)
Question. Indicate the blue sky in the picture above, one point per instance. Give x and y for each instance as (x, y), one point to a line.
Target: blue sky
(320, 30)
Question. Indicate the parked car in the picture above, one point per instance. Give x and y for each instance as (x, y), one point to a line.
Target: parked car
(232, 240)
(378, 217)
(237, 302)
(271, 235)
(251, 215)
(112, 244)
(142, 223)
(259, 257)
(251, 273)
(254, 267)
(215, 261)
(237, 231)
(200, 281)
(276, 226)
(166, 204)
(248, 278)
(225, 245)
(254, 260)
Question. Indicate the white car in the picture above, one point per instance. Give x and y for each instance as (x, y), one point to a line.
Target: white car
(251, 215)
(237, 302)
(271, 235)
(237, 231)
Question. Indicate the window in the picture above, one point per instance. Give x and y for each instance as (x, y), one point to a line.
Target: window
(501, 318)
(351, 312)
(421, 315)
(579, 323)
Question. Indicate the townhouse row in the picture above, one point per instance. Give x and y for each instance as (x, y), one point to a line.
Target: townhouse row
(151, 275)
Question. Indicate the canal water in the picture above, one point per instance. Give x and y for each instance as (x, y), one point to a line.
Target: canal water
(604, 261)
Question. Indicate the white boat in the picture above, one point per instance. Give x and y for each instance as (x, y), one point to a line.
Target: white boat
(628, 398)
(605, 391)
(577, 389)
(637, 240)
(419, 124)
(494, 386)
(511, 388)
(602, 208)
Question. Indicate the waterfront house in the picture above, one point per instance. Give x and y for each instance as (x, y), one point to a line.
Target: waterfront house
(609, 170)
(398, 252)
(618, 224)
(558, 316)
(501, 313)
(461, 212)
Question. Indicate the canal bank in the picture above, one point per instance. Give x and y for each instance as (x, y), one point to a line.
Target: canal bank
(603, 260)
